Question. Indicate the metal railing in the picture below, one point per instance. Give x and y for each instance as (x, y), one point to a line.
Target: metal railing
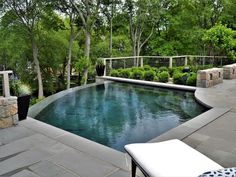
(159, 61)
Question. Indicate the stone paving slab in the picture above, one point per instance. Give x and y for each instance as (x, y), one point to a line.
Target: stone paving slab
(120, 173)
(14, 133)
(85, 165)
(25, 173)
(46, 169)
(42, 128)
(96, 150)
(36, 140)
(22, 160)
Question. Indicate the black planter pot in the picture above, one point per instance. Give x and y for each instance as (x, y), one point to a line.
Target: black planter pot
(23, 106)
(100, 70)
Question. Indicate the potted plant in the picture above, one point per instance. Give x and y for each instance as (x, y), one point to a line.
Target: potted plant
(23, 93)
(100, 67)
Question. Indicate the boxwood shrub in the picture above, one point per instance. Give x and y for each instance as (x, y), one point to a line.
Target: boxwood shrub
(192, 79)
(180, 78)
(163, 76)
(149, 75)
(125, 73)
(137, 74)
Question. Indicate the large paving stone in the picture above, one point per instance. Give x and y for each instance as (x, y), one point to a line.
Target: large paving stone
(22, 160)
(34, 141)
(120, 173)
(14, 133)
(25, 173)
(47, 169)
(42, 128)
(82, 164)
(99, 151)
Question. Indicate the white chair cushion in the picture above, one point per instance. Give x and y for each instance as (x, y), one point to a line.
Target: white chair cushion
(170, 158)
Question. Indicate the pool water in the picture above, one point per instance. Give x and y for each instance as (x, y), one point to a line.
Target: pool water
(115, 114)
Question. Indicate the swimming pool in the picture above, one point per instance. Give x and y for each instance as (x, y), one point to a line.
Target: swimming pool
(115, 114)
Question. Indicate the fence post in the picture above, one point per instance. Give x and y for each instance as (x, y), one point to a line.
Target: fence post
(105, 69)
(6, 88)
(141, 61)
(170, 62)
(185, 61)
(110, 63)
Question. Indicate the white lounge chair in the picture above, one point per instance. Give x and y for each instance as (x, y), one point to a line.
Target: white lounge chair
(171, 158)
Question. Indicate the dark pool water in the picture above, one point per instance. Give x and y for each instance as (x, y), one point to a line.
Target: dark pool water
(115, 114)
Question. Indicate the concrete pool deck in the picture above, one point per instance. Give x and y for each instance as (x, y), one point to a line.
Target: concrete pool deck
(33, 148)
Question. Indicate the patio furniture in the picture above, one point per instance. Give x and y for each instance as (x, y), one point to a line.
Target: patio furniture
(169, 158)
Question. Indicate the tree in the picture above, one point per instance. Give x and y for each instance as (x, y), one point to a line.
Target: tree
(68, 9)
(88, 11)
(143, 16)
(28, 14)
(221, 40)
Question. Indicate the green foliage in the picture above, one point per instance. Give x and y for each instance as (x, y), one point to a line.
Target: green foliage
(163, 76)
(221, 38)
(149, 75)
(125, 73)
(99, 62)
(82, 64)
(147, 67)
(20, 89)
(163, 68)
(114, 73)
(180, 78)
(137, 74)
(192, 79)
(36, 100)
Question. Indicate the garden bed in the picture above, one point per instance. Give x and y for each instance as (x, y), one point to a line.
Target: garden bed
(184, 75)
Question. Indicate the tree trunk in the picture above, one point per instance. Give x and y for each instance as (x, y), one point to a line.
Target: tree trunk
(111, 25)
(87, 52)
(36, 62)
(110, 42)
(69, 57)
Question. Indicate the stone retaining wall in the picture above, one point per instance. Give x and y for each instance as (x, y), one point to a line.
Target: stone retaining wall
(209, 77)
(230, 71)
(8, 111)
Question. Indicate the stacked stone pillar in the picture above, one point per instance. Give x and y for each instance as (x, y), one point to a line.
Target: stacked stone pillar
(8, 104)
(209, 77)
(230, 71)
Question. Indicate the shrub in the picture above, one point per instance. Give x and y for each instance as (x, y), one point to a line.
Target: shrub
(125, 73)
(149, 75)
(164, 76)
(147, 67)
(192, 79)
(137, 74)
(163, 68)
(115, 73)
(156, 79)
(180, 78)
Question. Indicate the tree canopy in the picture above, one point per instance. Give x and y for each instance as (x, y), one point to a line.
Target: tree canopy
(45, 42)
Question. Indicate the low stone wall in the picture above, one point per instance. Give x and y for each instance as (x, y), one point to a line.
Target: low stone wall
(209, 77)
(8, 111)
(230, 71)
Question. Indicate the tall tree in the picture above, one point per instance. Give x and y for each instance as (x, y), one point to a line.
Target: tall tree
(88, 12)
(68, 9)
(29, 13)
(143, 16)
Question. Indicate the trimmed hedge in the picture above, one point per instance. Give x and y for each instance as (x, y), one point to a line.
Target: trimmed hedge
(161, 74)
(149, 75)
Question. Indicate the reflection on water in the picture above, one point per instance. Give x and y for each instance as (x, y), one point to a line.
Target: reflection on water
(116, 114)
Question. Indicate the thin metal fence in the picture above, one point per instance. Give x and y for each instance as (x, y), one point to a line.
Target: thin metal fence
(166, 61)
